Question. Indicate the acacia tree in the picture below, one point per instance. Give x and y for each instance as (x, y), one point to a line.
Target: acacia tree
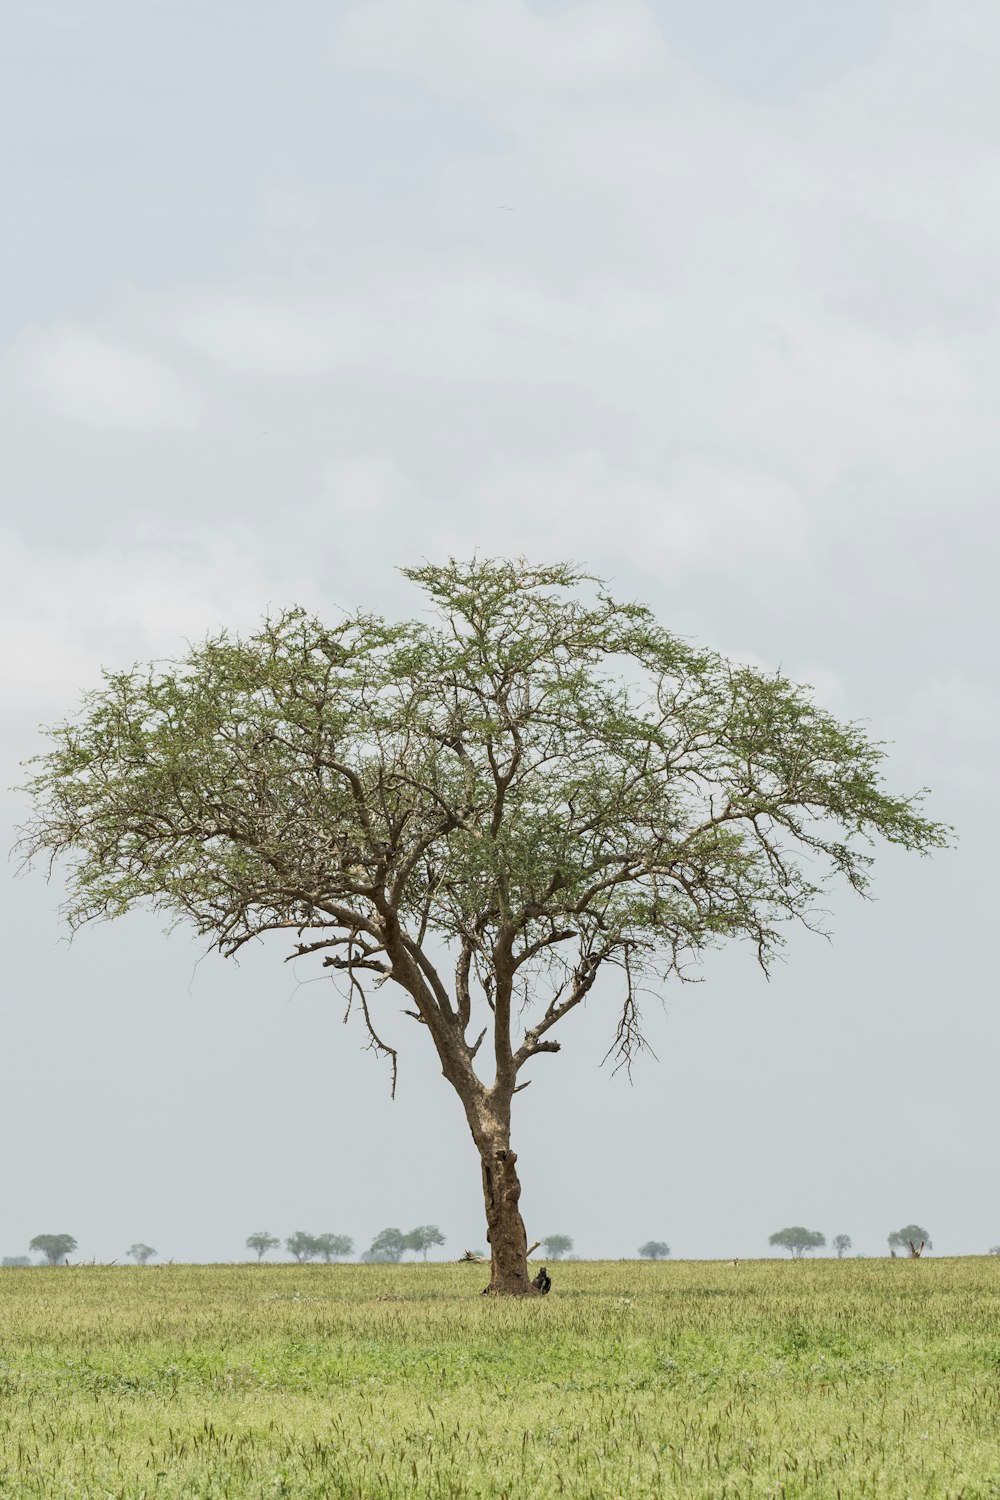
(333, 1246)
(654, 1250)
(141, 1253)
(262, 1242)
(302, 1245)
(55, 1247)
(909, 1236)
(421, 1239)
(557, 1245)
(489, 809)
(842, 1243)
(388, 1245)
(798, 1240)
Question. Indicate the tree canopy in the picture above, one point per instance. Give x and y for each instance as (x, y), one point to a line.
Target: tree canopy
(798, 1240)
(910, 1234)
(539, 783)
(654, 1250)
(388, 1245)
(55, 1247)
(557, 1245)
(842, 1243)
(141, 1253)
(261, 1242)
(423, 1238)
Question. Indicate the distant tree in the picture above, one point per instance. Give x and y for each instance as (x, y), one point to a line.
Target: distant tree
(262, 1242)
(388, 1246)
(25, 1260)
(557, 1245)
(141, 1253)
(798, 1240)
(910, 1234)
(423, 1237)
(303, 1246)
(55, 1247)
(842, 1243)
(993, 1250)
(332, 1246)
(654, 1250)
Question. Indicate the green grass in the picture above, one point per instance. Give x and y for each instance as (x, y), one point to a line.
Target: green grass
(818, 1379)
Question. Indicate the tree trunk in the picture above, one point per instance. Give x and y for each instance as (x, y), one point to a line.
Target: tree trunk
(505, 1227)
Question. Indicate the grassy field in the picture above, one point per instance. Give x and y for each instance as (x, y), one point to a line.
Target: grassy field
(819, 1379)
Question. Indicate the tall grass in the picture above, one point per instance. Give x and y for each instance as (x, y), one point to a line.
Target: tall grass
(823, 1379)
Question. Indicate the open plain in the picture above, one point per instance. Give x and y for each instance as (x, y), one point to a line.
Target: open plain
(816, 1379)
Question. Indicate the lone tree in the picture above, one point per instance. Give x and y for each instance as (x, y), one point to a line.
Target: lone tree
(539, 787)
(332, 1246)
(262, 1242)
(654, 1250)
(423, 1237)
(798, 1240)
(557, 1245)
(55, 1247)
(141, 1253)
(842, 1243)
(912, 1238)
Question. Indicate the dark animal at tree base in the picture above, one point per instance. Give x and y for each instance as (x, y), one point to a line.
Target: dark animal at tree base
(543, 1281)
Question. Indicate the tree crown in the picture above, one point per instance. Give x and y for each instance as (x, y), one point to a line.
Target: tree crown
(798, 1239)
(900, 1238)
(55, 1247)
(539, 778)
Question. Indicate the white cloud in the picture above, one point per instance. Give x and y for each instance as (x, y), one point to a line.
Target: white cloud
(95, 380)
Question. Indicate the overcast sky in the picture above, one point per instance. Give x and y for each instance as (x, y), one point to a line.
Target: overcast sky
(701, 294)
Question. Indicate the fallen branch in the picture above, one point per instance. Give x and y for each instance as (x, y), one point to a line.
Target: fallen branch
(484, 1260)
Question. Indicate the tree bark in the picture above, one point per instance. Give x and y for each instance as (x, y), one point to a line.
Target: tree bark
(505, 1227)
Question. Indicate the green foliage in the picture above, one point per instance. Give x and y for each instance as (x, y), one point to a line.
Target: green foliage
(423, 1238)
(654, 1250)
(55, 1247)
(798, 1240)
(388, 1247)
(333, 1246)
(261, 1242)
(141, 1253)
(900, 1239)
(540, 778)
(557, 1245)
(25, 1260)
(303, 1246)
(694, 1380)
(842, 1243)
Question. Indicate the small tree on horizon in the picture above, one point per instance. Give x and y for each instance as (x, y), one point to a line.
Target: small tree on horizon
(261, 1242)
(333, 1246)
(798, 1240)
(993, 1250)
(388, 1246)
(423, 1237)
(490, 808)
(908, 1236)
(303, 1246)
(19, 1261)
(842, 1243)
(654, 1250)
(140, 1253)
(557, 1245)
(55, 1247)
